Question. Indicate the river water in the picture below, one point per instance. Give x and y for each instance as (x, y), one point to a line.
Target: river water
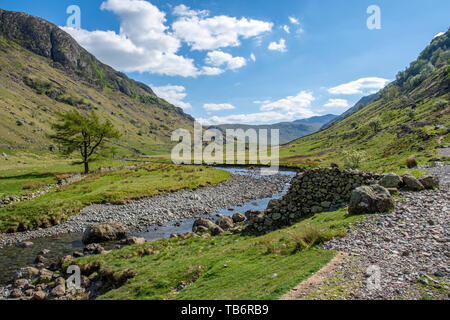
(14, 257)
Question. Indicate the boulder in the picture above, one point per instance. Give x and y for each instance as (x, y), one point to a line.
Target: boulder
(429, 181)
(391, 180)
(104, 232)
(370, 199)
(134, 240)
(26, 244)
(59, 290)
(202, 223)
(27, 273)
(226, 223)
(238, 217)
(411, 183)
(39, 295)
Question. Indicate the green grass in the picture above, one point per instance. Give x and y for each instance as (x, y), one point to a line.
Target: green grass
(230, 267)
(111, 187)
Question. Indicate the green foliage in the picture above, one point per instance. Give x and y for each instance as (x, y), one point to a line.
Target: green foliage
(411, 114)
(375, 124)
(440, 104)
(77, 133)
(353, 159)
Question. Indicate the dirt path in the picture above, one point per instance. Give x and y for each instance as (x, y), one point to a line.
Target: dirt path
(316, 280)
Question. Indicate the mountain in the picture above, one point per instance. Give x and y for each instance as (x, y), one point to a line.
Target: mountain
(288, 130)
(358, 106)
(409, 117)
(44, 70)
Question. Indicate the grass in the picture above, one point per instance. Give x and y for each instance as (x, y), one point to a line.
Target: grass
(229, 267)
(110, 187)
(26, 171)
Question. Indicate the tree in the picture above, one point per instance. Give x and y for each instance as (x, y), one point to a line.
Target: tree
(375, 124)
(85, 134)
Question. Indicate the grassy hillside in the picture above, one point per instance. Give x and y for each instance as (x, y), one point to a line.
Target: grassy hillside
(43, 70)
(410, 117)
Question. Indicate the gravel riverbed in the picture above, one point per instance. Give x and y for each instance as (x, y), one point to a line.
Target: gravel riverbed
(409, 247)
(138, 215)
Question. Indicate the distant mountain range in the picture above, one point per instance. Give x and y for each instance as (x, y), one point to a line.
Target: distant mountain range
(289, 131)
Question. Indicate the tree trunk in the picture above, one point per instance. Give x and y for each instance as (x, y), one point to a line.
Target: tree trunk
(86, 167)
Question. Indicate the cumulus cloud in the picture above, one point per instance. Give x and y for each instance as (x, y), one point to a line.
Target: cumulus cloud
(220, 58)
(286, 109)
(252, 57)
(143, 44)
(337, 103)
(218, 107)
(360, 86)
(286, 29)
(146, 44)
(294, 20)
(173, 94)
(211, 33)
(278, 46)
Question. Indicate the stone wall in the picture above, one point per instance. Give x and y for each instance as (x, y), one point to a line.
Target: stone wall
(312, 191)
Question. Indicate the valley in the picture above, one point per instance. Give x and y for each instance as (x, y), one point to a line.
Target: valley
(369, 187)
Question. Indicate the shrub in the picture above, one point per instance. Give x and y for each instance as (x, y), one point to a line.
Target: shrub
(440, 104)
(411, 162)
(411, 114)
(353, 159)
(375, 124)
(19, 123)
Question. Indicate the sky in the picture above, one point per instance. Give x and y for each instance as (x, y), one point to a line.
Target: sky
(252, 61)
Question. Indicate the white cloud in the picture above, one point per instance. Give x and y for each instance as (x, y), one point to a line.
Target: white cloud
(146, 44)
(173, 94)
(218, 107)
(252, 57)
(286, 29)
(262, 101)
(143, 43)
(293, 104)
(203, 33)
(294, 20)
(439, 34)
(337, 103)
(185, 11)
(220, 58)
(360, 86)
(286, 109)
(278, 46)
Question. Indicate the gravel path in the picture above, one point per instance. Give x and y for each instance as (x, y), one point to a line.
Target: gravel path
(158, 210)
(409, 249)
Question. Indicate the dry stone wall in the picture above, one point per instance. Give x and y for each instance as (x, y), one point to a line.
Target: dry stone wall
(311, 192)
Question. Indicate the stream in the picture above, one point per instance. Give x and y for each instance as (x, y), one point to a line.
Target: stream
(14, 257)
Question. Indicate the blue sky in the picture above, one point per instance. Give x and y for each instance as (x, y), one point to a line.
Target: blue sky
(252, 61)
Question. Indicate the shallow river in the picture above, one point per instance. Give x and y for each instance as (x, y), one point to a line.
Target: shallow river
(13, 257)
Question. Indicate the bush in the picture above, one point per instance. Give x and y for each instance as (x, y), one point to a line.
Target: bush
(440, 104)
(375, 124)
(411, 162)
(411, 114)
(353, 159)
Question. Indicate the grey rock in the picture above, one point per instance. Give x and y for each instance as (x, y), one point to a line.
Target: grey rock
(391, 180)
(105, 232)
(370, 199)
(411, 183)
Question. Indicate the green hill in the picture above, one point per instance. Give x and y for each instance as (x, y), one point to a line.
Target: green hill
(43, 70)
(409, 117)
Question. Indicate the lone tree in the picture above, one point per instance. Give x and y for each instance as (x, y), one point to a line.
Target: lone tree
(75, 132)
